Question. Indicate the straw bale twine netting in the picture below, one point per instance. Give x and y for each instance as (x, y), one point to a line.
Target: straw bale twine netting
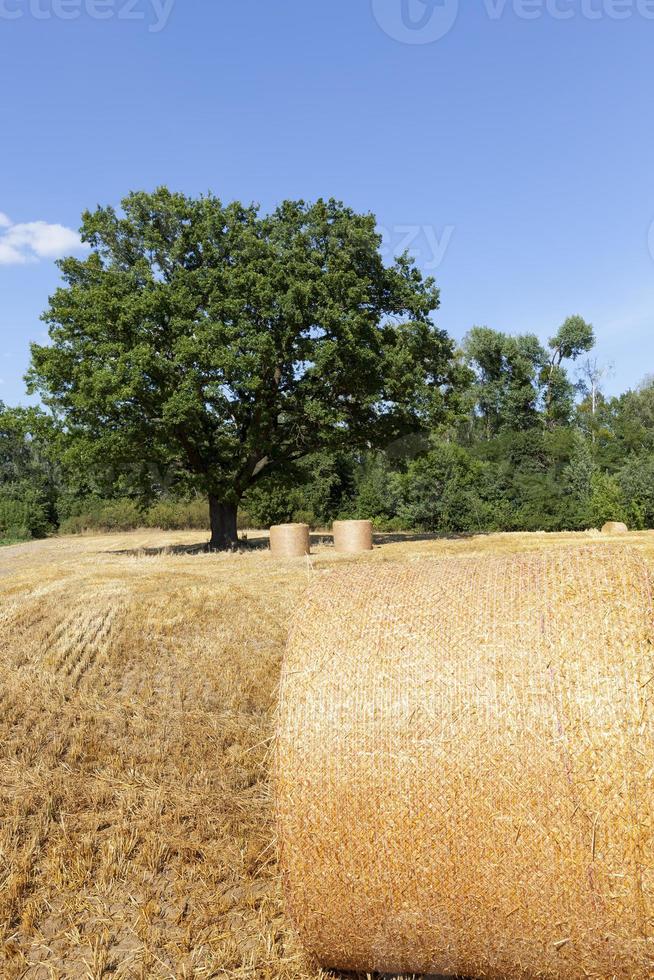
(352, 537)
(615, 527)
(465, 767)
(290, 540)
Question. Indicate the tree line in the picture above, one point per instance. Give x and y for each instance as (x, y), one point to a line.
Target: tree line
(206, 360)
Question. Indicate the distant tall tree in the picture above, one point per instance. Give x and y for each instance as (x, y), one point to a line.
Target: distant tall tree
(591, 375)
(573, 338)
(228, 344)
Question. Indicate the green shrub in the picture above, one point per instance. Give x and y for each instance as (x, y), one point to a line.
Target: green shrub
(388, 525)
(94, 514)
(179, 515)
(376, 492)
(443, 491)
(636, 481)
(319, 487)
(271, 502)
(306, 517)
(16, 533)
(23, 518)
(102, 515)
(244, 521)
(607, 501)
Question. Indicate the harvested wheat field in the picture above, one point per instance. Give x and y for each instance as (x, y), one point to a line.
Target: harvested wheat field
(138, 683)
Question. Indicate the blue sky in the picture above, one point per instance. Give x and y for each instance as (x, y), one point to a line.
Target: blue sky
(509, 143)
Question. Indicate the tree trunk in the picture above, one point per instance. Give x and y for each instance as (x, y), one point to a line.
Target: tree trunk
(224, 534)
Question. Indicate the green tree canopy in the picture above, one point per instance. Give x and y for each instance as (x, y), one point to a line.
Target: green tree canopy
(29, 475)
(221, 344)
(505, 372)
(514, 376)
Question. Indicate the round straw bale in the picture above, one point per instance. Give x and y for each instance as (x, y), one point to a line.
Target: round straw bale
(352, 537)
(464, 765)
(615, 527)
(290, 540)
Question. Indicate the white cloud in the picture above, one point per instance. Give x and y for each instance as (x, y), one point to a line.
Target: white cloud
(10, 255)
(34, 240)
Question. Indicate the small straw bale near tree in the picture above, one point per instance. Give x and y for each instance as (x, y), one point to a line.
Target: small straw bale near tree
(290, 540)
(353, 537)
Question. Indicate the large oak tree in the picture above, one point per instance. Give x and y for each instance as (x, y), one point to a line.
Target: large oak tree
(224, 344)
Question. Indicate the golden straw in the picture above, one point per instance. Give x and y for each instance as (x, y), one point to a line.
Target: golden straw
(464, 767)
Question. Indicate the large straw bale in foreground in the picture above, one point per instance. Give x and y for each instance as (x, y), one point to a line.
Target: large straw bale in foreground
(464, 767)
(290, 540)
(352, 537)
